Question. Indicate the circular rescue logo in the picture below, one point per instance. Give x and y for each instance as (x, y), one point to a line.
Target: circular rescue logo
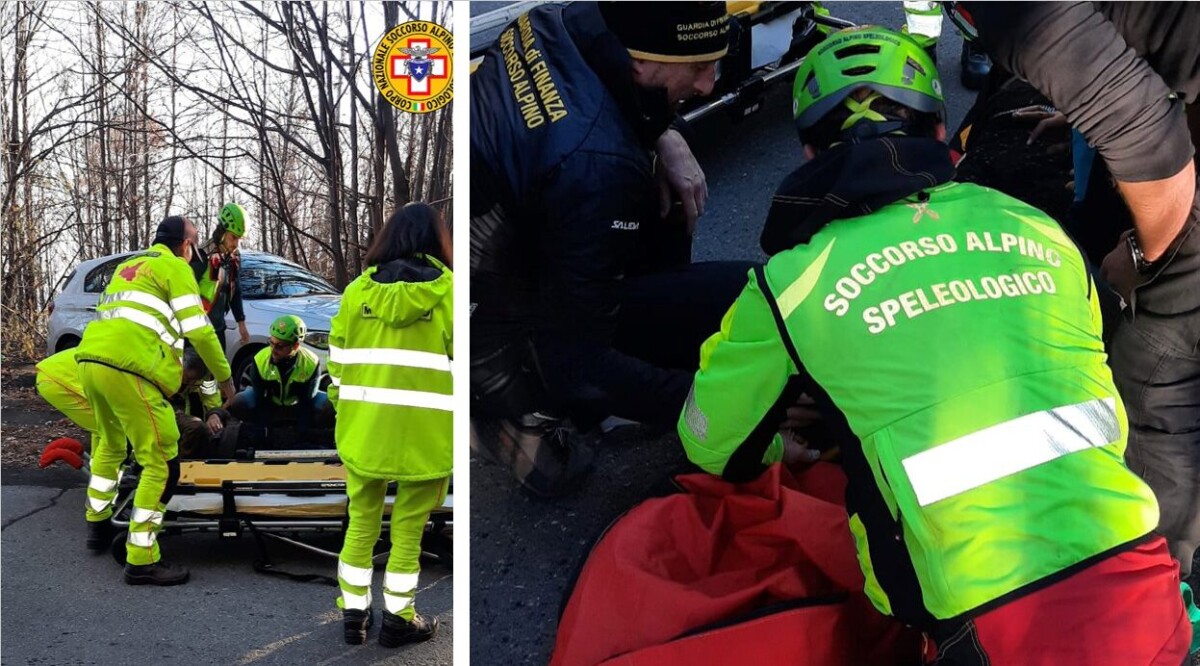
(412, 67)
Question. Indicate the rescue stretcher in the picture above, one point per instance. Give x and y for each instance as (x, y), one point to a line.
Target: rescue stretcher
(286, 496)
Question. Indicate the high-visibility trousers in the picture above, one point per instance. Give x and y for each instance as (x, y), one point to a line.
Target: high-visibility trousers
(127, 406)
(415, 500)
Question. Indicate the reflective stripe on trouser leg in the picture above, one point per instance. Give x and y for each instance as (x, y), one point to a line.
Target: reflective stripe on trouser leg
(366, 516)
(128, 406)
(108, 440)
(101, 492)
(410, 511)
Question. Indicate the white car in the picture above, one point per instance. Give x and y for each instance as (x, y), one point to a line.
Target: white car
(271, 286)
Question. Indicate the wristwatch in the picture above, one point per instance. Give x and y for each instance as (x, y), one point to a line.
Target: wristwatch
(1139, 260)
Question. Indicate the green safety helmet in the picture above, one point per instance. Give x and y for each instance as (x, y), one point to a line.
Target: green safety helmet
(888, 63)
(233, 219)
(288, 328)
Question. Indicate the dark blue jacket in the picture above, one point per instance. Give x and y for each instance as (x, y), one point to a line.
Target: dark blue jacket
(561, 180)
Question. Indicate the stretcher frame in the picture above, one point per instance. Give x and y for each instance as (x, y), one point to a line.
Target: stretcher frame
(316, 474)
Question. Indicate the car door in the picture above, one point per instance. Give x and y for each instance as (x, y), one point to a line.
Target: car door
(76, 306)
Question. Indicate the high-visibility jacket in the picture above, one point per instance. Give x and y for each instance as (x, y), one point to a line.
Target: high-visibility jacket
(151, 304)
(390, 347)
(954, 345)
(271, 385)
(62, 371)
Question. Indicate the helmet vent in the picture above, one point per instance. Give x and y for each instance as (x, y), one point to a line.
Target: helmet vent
(861, 70)
(856, 50)
(814, 88)
(909, 62)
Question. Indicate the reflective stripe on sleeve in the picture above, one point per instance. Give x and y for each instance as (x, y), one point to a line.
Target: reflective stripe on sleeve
(186, 301)
(398, 397)
(192, 323)
(383, 356)
(987, 455)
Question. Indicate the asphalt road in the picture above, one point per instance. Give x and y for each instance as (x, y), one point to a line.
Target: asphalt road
(524, 552)
(64, 606)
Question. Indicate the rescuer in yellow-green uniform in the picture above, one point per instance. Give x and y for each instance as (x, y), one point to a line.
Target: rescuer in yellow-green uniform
(58, 384)
(390, 346)
(129, 363)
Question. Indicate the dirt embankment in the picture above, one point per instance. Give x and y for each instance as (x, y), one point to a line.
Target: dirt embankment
(27, 423)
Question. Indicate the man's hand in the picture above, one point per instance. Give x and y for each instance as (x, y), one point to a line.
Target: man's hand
(244, 332)
(796, 450)
(214, 425)
(679, 173)
(228, 390)
(1118, 270)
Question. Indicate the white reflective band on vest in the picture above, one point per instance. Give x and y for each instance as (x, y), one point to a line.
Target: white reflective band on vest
(384, 356)
(351, 601)
(394, 603)
(186, 301)
(97, 505)
(142, 539)
(336, 381)
(142, 298)
(192, 323)
(399, 583)
(208, 387)
(356, 576)
(101, 484)
(400, 397)
(169, 338)
(141, 515)
(1007, 448)
(923, 18)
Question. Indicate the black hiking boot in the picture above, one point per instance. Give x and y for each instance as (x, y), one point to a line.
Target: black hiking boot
(397, 631)
(548, 458)
(99, 535)
(159, 573)
(355, 623)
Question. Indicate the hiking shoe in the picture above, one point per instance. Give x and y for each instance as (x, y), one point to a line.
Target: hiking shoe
(159, 573)
(544, 455)
(99, 535)
(975, 66)
(397, 631)
(355, 623)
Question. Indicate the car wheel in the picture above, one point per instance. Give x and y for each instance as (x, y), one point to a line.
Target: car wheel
(242, 365)
(66, 342)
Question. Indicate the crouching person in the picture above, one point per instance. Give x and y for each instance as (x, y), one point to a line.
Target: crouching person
(283, 385)
(129, 364)
(952, 337)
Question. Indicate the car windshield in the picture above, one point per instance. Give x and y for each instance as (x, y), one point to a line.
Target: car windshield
(266, 277)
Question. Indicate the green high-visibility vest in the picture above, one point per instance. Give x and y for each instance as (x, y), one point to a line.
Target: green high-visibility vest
(151, 304)
(961, 338)
(281, 391)
(390, 347)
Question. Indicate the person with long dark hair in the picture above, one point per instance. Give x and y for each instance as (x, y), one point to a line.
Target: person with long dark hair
(389, 356)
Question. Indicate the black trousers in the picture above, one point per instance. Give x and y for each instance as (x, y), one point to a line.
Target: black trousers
(1155, 358)
(646, 373)
(643, 373)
